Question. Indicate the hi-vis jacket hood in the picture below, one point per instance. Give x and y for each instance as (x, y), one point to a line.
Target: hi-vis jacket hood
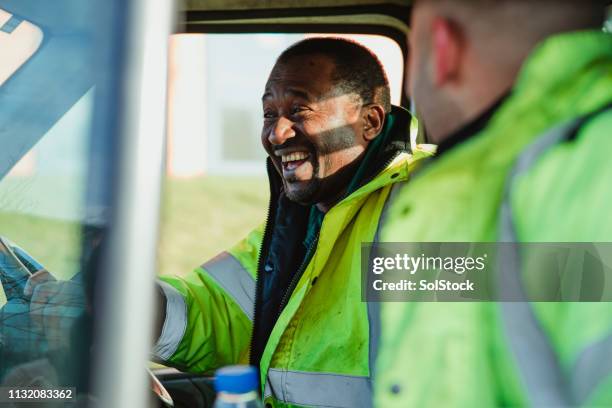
(321, 349)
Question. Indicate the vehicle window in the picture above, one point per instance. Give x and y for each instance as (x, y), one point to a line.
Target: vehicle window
(19, 40)
(216, 188)
(42, 198)
(52, 216)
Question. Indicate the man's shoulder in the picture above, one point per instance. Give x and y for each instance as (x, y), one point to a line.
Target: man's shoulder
(564, 195)
(246, 251)
(406, 163)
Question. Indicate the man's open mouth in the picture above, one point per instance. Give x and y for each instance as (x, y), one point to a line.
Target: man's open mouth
(294, 160)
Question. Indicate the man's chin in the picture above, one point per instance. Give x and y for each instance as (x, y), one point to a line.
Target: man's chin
(303, 195)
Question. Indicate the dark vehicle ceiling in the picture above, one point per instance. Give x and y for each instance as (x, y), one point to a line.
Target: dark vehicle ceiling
(278, 4)
(277, 14)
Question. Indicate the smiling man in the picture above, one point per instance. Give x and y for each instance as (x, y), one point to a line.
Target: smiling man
(288, 297)
(310, 124)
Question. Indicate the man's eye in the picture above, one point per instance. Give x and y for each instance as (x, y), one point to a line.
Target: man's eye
(298, 109)
(269, 115)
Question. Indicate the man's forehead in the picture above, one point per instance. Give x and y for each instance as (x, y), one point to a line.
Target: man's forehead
(309, 75)
(294, 91)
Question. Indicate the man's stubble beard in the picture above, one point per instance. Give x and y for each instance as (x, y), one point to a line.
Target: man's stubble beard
(306, 195)
(316, 188)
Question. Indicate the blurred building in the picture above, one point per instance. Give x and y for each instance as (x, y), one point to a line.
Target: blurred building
(216, 83)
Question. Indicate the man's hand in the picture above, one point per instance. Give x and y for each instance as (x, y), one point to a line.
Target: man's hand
(41, 320)
(37, 278)
(20, 340)
(54, 307)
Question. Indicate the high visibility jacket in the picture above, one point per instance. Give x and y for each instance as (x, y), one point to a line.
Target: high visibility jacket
(512, 354)
(321, 350)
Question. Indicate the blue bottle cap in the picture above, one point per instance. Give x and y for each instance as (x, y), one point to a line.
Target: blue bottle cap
(238, 379)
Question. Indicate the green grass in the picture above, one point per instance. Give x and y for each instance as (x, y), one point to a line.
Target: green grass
(204, 216)
(55, 244)
(200, 218)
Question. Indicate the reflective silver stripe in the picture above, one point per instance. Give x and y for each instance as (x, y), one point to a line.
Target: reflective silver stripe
(318, 389)
(374, 323)
(174, 326)
(535, 358)
(234, 279)
(592, 366)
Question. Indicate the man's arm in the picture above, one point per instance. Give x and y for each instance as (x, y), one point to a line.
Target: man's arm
(205, 317)
(160, 307)
(565, 198)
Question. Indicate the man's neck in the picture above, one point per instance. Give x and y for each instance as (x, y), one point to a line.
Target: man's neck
(471, 128)
(326, 206)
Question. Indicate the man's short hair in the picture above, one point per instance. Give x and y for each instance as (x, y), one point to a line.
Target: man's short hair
(541, 16)
(357, 69)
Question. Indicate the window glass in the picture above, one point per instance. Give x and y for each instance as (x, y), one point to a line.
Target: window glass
(42, 198)
(19, 40)
(52, 216)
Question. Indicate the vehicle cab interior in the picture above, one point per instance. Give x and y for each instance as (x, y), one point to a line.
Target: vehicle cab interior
(130, 134)
(124, 124)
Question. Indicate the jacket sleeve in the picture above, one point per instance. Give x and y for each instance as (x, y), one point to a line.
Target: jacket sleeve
(209, 311)
(566, 198)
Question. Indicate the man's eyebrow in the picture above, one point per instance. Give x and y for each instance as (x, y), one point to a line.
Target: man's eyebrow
(298, 93)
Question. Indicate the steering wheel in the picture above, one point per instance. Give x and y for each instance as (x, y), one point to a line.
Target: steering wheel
(160, 392)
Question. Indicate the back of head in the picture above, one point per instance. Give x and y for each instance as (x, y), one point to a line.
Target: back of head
(466, 54)
(357, 69)
(506, 31)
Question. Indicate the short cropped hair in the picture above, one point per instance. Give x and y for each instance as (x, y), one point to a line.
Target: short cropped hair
(357, 69)
(545, 16)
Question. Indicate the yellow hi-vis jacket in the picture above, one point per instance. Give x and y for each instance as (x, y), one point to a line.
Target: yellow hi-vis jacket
(322, 348)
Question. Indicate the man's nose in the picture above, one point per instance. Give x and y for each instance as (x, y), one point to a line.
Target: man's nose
(281, 131)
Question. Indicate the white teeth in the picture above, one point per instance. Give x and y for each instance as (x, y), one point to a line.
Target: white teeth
(294, 156)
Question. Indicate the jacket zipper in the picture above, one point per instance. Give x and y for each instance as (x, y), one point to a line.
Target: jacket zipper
(296, 277)
(258, 280)
(308, 256)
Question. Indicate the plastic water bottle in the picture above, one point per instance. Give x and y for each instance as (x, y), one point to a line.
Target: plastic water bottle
(237, 387)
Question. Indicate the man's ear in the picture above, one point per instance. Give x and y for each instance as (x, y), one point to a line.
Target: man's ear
(373, 120)
(447, 42)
